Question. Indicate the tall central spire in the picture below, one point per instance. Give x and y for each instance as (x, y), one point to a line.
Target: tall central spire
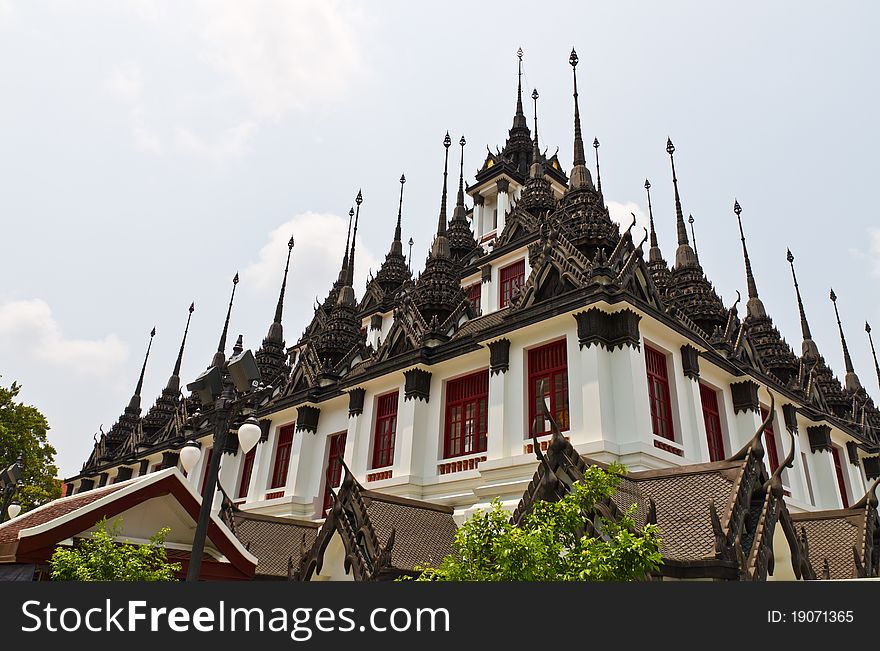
(519, 119)
(220, 355)
(684, 255)
(754, 307)
(579, 177)
(536, 171)
(279, 308)
(459, 200)
(135, 403)
(654, 254)
(852, 380)
(441, 244)
(873, 352)
(343, 271)
(808, 349)
(174, 380)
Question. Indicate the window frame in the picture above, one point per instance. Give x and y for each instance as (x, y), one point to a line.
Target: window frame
(771, 444)
(474, 293)
(507, 283)
(247, 470)
(716, 446)
(474, 392)
(286, 444)
(333, 471)
(383, 455)
(550, 373)
(842, 485)
(666, 399)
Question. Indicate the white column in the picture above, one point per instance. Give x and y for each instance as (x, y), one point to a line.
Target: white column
(478, 226)
(694, 438)
(352, 439)
(412, 430)
(503, 205)
(824, 477)
(594, 411)
(496, 447)
(260, 469)
(229, 466)
(854, 474)
(797, 480)
(631, 410)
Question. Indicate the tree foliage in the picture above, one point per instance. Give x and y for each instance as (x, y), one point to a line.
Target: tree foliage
(23, 432)
(103, 558)
(548, 545)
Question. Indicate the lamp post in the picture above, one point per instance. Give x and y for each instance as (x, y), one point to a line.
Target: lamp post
(231, 392)
(11, 481)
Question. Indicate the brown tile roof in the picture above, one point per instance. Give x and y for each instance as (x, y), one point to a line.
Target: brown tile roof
(478, 325)
(55, 509)
(274, 540)
(423, 531)
(831, 535)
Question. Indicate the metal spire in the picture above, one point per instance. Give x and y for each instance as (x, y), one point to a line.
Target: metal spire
(579, 176)
(220, 355)
(174, 380)
(808, 348)
(873, 352)
(397, 242)
(238, 348)
(440, 248)
(343, 271)
(654, 254)
(280, 307)
(754, 307)
(684, 255)
(598, 174)
(519, 120)
(459, 203)
(537, 169)
(852, 380)
(136, 398)
(693, 237)
(359, 199)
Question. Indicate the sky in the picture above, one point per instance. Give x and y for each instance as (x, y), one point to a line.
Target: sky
(150, 150)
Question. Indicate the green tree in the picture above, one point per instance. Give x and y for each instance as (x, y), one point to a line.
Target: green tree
(103, 558)
(23, 432)
(548, 544)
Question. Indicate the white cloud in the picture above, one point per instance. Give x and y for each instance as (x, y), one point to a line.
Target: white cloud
(7, 12)
(31, 328)
(229, 143)
(875, 252)
(317, 256)
(281, 55)
(126, 83)
(622, 213)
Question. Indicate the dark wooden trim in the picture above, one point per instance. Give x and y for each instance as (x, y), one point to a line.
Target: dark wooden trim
(307, 418)
(690, 362)
(499, 356)
(417, 384)
(820, 438)
(356, 401)
(745, 396)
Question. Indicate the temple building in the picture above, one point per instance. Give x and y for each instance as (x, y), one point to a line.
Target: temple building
(539, 337)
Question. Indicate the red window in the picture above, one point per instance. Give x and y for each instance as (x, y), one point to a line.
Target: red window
(512, 276)
(548, 380)
(473, 296)
(770, 442)
(467, 407)
(712, 419)
(386, 428)
(333, 475)
(282, 456)
(247, 467)
(658, 394)
(841, 482)
(205, 470)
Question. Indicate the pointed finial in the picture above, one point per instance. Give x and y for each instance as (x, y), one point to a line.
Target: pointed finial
(519, 119)
(174, 380)
(399, 210)
(808, 349)
(578, 177)
(684, 255)
(654, 254)
(441, 225)
(280, 306)
(852, 380)
(140, 383)
(220, 355)
(350, 276)
(460, 199)
(238, 348)
(873, 352)
(409, 257)
(693, 237)
(535, 100)
(754, 306)
(598, 174)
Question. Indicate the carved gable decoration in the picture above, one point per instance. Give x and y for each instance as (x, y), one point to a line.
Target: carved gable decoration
(690, 362)
(307, 418)
(745, 396)
(609, 330)
(417, 384)
(557, 267)
(499, 356)
(820, 438)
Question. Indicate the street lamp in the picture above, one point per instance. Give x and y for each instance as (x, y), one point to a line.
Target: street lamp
(10, 482)
(231, 392)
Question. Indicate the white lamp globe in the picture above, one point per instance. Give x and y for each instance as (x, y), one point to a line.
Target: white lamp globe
(248, 434)
(13, 510)
(189, 456)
